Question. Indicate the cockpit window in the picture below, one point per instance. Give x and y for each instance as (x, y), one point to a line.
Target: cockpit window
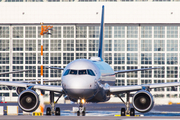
(67, 72)
(73, 72)
(82, 72)
(90, 72)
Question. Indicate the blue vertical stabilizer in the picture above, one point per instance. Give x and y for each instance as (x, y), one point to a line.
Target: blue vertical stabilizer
(101, 38)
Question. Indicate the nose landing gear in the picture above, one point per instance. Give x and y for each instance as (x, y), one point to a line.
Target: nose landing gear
(81, 109)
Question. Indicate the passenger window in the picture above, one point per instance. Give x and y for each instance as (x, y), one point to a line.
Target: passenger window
(74, 72)
(67, 72)
(82, 72)
(90, 72)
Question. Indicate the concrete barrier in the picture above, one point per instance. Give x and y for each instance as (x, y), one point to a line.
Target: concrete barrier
(12, 110)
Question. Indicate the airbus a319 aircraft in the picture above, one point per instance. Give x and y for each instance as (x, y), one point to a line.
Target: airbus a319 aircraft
(89, 80)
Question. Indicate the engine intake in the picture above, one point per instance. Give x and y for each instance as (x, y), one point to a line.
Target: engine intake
(28, 100)
(143, 101)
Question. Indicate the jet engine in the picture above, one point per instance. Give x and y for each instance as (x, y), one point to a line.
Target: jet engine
(28, 100)
(20, 89)
(143, 101)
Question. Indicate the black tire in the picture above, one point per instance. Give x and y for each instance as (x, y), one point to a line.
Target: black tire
(58, 111)
(132, 112)
(48, 111)
(83, 113)
(78, 113)
(123, 111)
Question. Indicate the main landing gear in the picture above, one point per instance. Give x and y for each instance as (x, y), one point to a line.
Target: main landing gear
(127, 111)
(53, 111)
(81, 109)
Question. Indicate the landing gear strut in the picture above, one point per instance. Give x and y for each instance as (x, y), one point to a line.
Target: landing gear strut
(81, 109)
(53, 111)
(127, 111)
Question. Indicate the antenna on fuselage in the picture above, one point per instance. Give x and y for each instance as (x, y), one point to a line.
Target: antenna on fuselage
(101, 38)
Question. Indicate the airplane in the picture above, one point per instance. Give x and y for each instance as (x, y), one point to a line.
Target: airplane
(89, 80)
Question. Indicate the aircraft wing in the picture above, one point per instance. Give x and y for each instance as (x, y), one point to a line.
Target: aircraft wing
(54, 68)
(36, 86)
(130, 88)
(3, 73)
(134, 70)
(30, 81)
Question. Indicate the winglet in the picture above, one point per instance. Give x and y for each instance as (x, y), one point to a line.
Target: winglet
(101, 38)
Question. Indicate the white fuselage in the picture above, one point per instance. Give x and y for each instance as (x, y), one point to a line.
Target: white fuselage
(85, 79)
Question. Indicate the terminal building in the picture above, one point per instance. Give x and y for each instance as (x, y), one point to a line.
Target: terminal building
(138, 34)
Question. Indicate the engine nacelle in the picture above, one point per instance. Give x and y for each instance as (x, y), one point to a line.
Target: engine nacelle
(20, 89)
(28, 100)
(143, 101)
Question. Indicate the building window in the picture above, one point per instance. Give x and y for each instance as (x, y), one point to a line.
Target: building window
(55, 45)
(55, 72)
(55, 58)
(159, 89)
(4, 45)
(159, 45)
(159, 73)
(56, 31)
(81, 45)
(68, 45)
(45, 45)
(132, 58)
(18, 32)
(108, 45)
(68, 32)
(108, 58)
(30, 58)
(132, 31)
(132, 74)
(17, 58)
(118, 68)
(4, 32)
(173, 88)
(93, 45)
(45, 58)
(94, 31)
(17, 45)
(146, 58)
(132, 45)
(31, 73)
(30, 45)
(119, 58)
(30, 32)
(172, 45)
(68, 57)
(120, 82)
(81, 55)
(119, 45)
(172, 32)
(92, 55)
(146, 82)
(172, 72)
(159, 32)
(146, 73)
(146, 32)
(45, 72)
(119, 31)
(4, 58)
(4, 69)
(159, 58)
(81, 32)
(146, 45)
(108, 32)
(172, 58)
(132, 82)
(17, 68)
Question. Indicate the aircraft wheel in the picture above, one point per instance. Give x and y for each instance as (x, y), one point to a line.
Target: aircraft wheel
(58, 111)
(78, 113)
(48, 111)
(132, 112)
(123, 111)
(83, 113)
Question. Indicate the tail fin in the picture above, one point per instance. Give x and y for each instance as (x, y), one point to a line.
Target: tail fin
(101, 38)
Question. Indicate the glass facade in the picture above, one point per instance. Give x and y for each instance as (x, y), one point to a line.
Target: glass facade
(125, 47)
